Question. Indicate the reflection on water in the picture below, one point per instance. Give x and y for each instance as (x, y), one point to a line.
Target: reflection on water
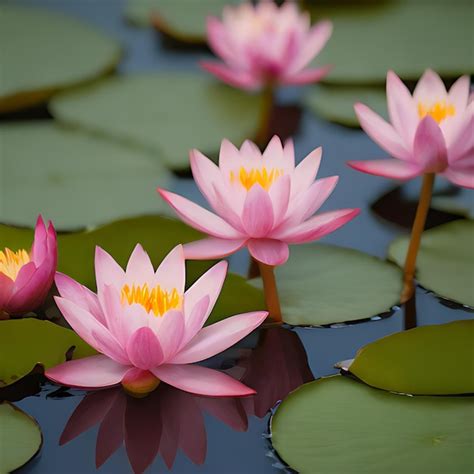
(169, 419)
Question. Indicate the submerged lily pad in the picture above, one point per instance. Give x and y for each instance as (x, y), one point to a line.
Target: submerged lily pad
(445, 261)
(43, 52)
(323, 284)
(20, 437)
(73, 178)
(26, 342)
(336, 103)
(166, 113)
(402, 35)
(158, 235)
(339, 425)
(429, 360)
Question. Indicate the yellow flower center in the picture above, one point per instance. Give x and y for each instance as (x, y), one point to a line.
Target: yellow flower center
(11, 262)
(152, 299)
(439, 110)
(262, 176)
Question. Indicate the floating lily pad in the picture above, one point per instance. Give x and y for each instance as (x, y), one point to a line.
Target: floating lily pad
(336, 103)
(20, 437)
(26, 342)
(429, 360)
(166, 113)
(43, 52)
(72, 177)
(371, 38)
(445, 261)
(339, 425)
(323, 284)
(158, 235)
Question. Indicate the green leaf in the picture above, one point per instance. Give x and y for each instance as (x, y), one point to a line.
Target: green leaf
(73, 178)
(26, 342)
(429, 360)
(166, 113)
(20, 437)
(43, 52)
(158, 235)
(323, 284)
(445, 262)
(183, 20)
(336, 103)
(371, 38)
(337, 425)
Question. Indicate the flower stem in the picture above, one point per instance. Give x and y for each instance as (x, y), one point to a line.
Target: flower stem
(272, 301)
(268, 99)
(417, 231)
(253, 270)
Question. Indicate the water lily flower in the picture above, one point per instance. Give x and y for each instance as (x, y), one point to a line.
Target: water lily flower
(265, 44)
(26, 277)
(431, 131)
(261, 201)
(148, 328)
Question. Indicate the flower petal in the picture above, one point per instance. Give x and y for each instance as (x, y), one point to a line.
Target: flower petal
(6, 287)
(279, 194)
(91, 372)
(218, 337)
(269, 251)
(460, 178)
(381, 132)
(201, 380)
(429, 147)
(144, 349)
(139, 267)
(211, 248)
(388, 168)
(430, 88)
(306, 171)
(240, 79)
(459, 93)
(257, 214)
(308, 76)
(107, 270)
(196, 319)
(171, 273)
(205, 173)
(171, 333)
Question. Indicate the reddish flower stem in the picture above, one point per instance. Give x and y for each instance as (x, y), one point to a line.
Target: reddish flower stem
(416, 233)
(268, 100)
(272, 301)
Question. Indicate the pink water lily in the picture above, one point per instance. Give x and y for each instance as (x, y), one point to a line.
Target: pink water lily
(265, 44)
(26, 277)
(148, 328)
(261, 201)
(431, 131)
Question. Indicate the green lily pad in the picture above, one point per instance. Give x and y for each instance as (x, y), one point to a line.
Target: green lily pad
(43, 52)
(336, 103)
(324, 284)
(27, 342)
(371, 38)
(429, 360)
(158, 235)
(74, 178)
(338, 425)
(20, 437)
(166, 113)
(445, 261)
(183, 20)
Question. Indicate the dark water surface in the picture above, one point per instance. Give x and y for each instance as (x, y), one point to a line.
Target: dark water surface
(224, 436)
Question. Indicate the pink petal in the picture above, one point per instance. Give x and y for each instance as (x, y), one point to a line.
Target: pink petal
(91, 372)
(171, 333)
(459, 93)
(201, 380)
(171, 274)
(459, 178)
(139, 267)
(306, 171)
(401, 107)
(39, 249)
(205, 173)
(273, 150)
(462, 140)
(6, 287)
(211, 248)
(318, 226)
(218, 337)
(429, 147)
(430, 88)
(308, 76)
(381, 132)
(107, 270)
(279, 194)
(229, 155)
(217, 38)
(196, 319)
(198, 217)
(269, 251)
(394, 169)
(24, 275)
(144, 349)
(250, 149)
(228, 205)
(110, 347)
(257, 214)
(289, 153)
(240, 79)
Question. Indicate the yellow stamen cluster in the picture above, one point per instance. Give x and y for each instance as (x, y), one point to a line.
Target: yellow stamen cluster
(439, 111)
(11, 262)
(154, 299)
(256, 176)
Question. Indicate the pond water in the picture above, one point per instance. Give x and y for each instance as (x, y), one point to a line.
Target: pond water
(231, 436)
